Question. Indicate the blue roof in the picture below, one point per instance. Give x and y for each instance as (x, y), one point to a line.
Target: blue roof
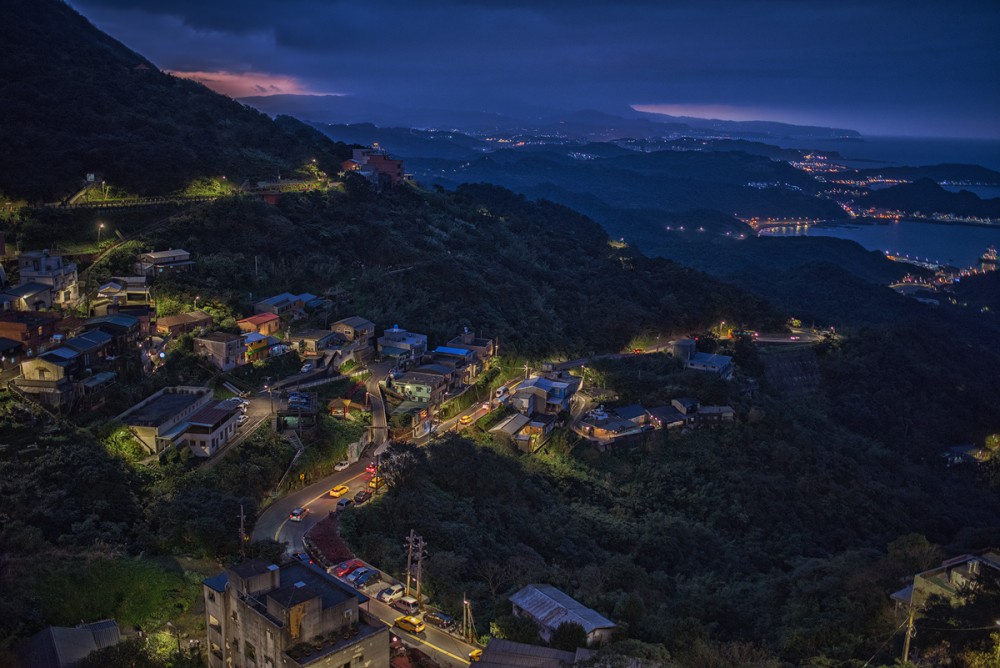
(447, 350)
(217, 582)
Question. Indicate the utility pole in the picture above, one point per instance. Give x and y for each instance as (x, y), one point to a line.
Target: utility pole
(421, 555)
(468, 623)
(411, 540)
(415, 550)
(243, 538)
(910, 632)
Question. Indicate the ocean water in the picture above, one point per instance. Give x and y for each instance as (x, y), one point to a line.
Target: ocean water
(957, 245)
(897, 151)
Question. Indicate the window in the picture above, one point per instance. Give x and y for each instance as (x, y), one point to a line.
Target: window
(250, 651)
(211, 596)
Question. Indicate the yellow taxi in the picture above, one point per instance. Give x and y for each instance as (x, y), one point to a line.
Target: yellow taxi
(475, 655)
(339, 491)
(376, 482)
(409, 623)
(465, 419)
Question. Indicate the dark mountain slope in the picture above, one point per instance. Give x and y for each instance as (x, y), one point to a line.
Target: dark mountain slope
(74, 100)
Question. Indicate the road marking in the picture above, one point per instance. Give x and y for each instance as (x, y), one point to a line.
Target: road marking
(398, 631)
(281, 526)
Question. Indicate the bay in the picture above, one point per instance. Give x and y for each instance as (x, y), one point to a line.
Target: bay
(957, 245)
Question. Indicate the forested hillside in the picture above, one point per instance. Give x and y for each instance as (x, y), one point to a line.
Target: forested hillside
(75, 101)
(544, 279)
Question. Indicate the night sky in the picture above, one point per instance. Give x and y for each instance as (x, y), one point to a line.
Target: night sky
(899, 68)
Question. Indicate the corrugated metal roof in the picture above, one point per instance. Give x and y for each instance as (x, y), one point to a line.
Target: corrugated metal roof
(552, 608)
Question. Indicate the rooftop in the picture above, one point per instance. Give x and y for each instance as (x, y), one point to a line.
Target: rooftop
(161, 409)
(221, 337)
(448, 350)
(260, 319)
(551, 608)
(356, 321)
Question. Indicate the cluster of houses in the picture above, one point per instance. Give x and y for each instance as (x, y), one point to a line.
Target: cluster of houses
(423, 377)
(538, 401)
(618, 424)
(375, 165)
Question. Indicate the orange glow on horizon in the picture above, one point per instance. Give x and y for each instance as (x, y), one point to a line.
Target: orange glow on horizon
(245, 84)
(721, 112)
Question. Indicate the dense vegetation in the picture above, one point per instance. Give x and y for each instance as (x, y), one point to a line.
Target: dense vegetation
(77, 503)
(94, 106)
(926, 196)
(787, 533)
(543, 279)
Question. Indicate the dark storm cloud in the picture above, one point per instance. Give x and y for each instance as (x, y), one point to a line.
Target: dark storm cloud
(848, 64)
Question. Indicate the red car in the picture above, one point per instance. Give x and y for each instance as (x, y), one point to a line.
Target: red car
(345, 568)
(371, 467)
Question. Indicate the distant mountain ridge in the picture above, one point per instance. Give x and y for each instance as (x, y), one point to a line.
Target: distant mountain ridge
(579, 124)
(928, 197)
(74, 100)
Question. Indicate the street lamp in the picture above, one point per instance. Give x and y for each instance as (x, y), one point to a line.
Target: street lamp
(196, 302)
(177, 634)
(270, 397)
(100, 228)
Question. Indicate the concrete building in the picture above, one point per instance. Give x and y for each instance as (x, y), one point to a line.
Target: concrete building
(484, 348)
(31, 296)
(421, 387)
(260, 615)
(948, 580)
(50, 270)
(175, 325)
(159, 421)
(34, 331)
(222, 349)
(262, 323)
(355, 329)
(161, 262)
(402, 345)
(551, 608)
(315, 341)
(210, 428)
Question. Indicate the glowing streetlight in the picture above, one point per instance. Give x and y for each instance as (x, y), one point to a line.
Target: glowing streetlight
(100, 228)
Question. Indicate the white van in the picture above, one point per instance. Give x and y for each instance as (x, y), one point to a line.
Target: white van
(407, 605)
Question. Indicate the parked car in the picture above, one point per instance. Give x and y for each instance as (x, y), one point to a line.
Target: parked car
(409, 623)
(339, 491)
(306, 368)
(376, 482)
(344, 504)
(369, 578)
(391, 593)
(407, 605)
(341, 465)
(302, 557)
(439, 619)
(242, 420)
(353, 577)
(298, 514)
(344, 568)
(362, 496)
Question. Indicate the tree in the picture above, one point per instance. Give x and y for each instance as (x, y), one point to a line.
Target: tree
(568, 636)
(517, 629)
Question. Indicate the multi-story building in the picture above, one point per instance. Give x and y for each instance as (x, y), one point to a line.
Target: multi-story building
(50, 270)
(222, 349)
(402, 345)
(355, 329)
(182, 416)
(260, 615)
(33, 330)
(161, 262)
